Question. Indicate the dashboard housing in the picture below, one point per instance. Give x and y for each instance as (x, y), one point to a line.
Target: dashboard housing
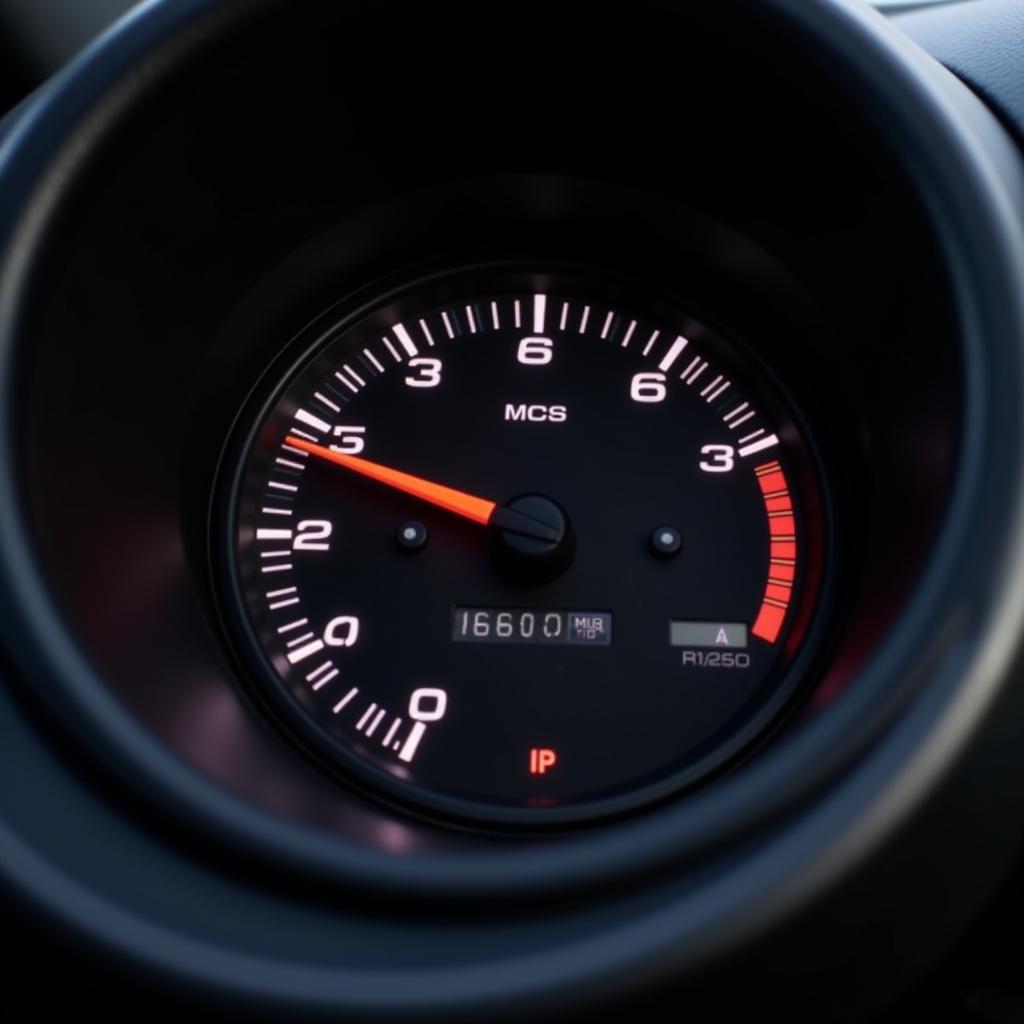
(171, 212)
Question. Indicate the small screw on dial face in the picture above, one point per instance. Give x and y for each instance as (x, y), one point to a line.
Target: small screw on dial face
(666, 541)
(412, 536)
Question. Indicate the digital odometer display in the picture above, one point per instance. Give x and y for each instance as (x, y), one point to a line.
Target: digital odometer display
(530, 626)
(450, 498)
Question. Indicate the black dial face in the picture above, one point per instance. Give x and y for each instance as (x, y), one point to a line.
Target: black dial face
(517, 548)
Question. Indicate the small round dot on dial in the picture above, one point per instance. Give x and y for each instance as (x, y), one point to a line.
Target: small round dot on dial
(412, 536)
(666, 541)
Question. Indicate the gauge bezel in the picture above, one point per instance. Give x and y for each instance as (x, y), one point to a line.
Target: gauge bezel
(793, 674)
(136, 755)
(785, 851)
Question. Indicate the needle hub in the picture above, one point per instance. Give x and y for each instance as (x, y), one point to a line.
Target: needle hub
(535, 541)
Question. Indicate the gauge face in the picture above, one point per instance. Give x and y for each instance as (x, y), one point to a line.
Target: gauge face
(511, 550)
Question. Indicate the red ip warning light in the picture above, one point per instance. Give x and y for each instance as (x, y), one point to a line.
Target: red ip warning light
(542, 760)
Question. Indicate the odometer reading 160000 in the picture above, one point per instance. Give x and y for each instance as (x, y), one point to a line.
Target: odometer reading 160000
(513, 547)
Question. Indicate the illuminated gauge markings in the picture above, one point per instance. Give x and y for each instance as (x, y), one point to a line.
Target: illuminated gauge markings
(449, 558)
(782, 564)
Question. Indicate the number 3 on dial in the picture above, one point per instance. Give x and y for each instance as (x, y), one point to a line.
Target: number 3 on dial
(718, 458)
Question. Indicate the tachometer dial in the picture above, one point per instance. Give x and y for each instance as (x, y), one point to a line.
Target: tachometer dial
(521, 549)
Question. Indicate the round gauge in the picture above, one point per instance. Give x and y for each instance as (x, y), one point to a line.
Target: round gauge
(517, 547)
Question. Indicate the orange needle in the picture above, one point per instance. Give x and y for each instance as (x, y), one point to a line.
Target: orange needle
(480, 510)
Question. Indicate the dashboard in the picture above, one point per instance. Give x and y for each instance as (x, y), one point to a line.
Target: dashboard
(514, 513)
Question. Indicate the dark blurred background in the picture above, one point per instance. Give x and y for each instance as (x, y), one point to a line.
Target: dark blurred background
(38, 36)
